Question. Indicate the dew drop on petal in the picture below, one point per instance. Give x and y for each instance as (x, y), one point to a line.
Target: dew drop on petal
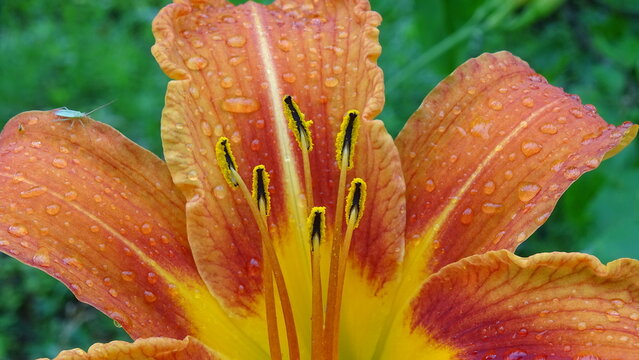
(612, 315)
(206, 128)
(52, 209)
(146, 228)
(331, 82)
(152, 278)
(467, 216)
(530, 148)
(33, 192)
(495, 105)
(548, 128)
(289, 77)
(236, 41)
(430, 185)
(226, 82)
(489, 187)
(240, 104)
(127, 275)
(284, 45)
(196, 63)
(490, 208)
(527, 191)
(219, 192)
(528, 102)
(149, 297)
(70, 195)
(17, 230)
(42, 258)
(59, 163)
(572, 173)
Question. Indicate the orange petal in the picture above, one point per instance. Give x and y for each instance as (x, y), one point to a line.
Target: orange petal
(144, 349)
(489, 153)
(99, 213)
(500, 306)
(233, 66)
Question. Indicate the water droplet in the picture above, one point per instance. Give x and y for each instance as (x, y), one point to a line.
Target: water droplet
(70, 195)
(240, 104)
(235, 137)
(576, 113)
(516, 355)
(289, 77)
(152, 278)
(471, 90)
(548, 128)
(196, 63)
(226, 82)
(467, 216)
(490, 208)
(530, 148)
(612, 315)
(528, 102)
(127, 276)
(17, 230)
(331, 82)
(508, 174)
(52, 209)
(97, 198)
(479, 127)
(572, 173)
(236, 41)
(495, 105)
(197, 43)
(149, 297)
(192, 175)
(430, 185)
(592, 163)
(256, 145)
(59, 163)
(33, 192)
(618, 303)
(523, 332)
(219, 192)
(94, 228)
(284, 45)
(42, 258)
(254, 268)
(206, 128)
(146, 228)
(581, 325)
(527, 191)
(489, 187)
(113, 292)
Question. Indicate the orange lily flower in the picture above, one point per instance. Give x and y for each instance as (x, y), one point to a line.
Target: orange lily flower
(413, 259)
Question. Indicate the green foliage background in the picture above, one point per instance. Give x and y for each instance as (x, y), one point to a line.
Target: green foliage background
(81, 54)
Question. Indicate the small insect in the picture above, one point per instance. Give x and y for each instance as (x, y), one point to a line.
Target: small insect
(72, 115)
(20, 129)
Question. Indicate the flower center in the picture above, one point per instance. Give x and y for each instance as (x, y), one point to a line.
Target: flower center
(325, 313)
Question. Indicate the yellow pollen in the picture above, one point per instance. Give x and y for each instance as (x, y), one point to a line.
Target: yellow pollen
(355, 202)
(297, 123)
(261, 195)
(347, 138)
(226, 161)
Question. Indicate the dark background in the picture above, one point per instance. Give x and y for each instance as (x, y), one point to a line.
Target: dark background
(82, 53)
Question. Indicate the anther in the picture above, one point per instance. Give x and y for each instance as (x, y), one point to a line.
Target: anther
(261, 196)
(355, 202)
(226, 161)
(297, 123)
(347, 138)
(316, 224)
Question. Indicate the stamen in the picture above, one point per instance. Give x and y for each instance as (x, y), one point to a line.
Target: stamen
(302, 132)
(226, 161)
(355, 210)
(347, 138)
(269, 250)
(316, 224)
(345, 150)
(262, 199)
(227, 164)
(261, 196)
